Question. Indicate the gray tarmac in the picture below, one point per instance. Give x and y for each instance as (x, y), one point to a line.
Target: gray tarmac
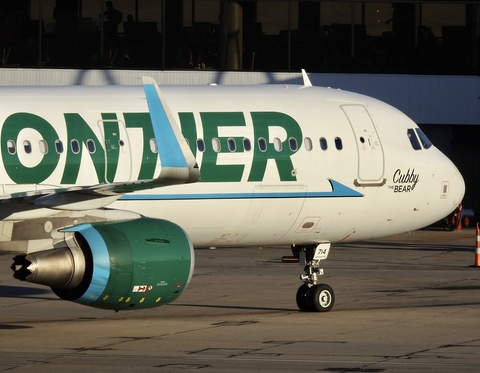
(409, 302)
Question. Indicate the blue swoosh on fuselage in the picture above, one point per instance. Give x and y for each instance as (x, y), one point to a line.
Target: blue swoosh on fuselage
(338, 190)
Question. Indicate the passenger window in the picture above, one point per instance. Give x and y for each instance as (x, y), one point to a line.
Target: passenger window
(292, 142)
(27, 146)
(200, 145)
(59, 146)
(91, 146)
(42, 144)
(153, 146)
(247, 145)
(216, 145)
(308, 143)
(262, 144)
(277, 144)
(232, 145)
(323, 143)
(338, 143)
(413, 139)
(75, 146)
(11, 147)
(423, 138)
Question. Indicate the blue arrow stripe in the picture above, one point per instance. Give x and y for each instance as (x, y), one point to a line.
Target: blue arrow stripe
(338, 190)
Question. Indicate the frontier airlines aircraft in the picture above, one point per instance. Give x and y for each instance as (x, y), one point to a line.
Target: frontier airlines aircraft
(105, 191)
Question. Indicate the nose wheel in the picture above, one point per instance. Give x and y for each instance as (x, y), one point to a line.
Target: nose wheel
(315, 298)
(312, 296)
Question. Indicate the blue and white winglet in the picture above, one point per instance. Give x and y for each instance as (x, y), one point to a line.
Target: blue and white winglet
(178, 164)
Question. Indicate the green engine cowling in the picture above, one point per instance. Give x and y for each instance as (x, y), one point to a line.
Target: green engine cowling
(134, 264)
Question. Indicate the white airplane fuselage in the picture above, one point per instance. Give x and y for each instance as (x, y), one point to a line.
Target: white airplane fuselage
(335, 165)
(375, 185)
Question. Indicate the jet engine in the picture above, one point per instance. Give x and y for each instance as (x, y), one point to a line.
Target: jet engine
(133, 264)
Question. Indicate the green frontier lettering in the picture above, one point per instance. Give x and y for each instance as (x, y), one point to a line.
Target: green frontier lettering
(112, 147)
(19, 173)
(262, 121)
(187, 123)
(79, 130)
(209, 170)
(149, 159)
(106, 161)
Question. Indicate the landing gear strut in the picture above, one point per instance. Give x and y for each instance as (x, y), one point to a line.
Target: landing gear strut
(312, 296)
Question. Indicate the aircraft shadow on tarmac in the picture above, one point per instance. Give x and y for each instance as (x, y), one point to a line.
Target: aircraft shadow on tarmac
(24, 292)
(236, 307)
(12, 327)
(384, 245)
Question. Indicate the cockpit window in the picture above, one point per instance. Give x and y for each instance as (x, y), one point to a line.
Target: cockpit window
(413, 139)
(426, 143)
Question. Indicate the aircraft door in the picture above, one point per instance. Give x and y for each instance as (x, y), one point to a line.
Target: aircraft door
(118, 160)
(370, 151)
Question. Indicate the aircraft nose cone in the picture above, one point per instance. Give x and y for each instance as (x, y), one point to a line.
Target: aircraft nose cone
(458, 186)
(455, 188)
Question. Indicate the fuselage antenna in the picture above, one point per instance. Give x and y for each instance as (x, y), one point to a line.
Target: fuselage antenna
(306, 80)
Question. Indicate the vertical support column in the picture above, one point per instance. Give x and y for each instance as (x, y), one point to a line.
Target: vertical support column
(234, 29)
(172, 31)
(40, 33)
(416, 23)
(352, 31)
(289, 48)
(472, 20)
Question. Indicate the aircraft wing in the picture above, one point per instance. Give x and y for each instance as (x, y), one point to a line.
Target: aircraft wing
(178, 166)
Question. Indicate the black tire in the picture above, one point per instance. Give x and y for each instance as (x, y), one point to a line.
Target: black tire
(302, 301)
(321, 298)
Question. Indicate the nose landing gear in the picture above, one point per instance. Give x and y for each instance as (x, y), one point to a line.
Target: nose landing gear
(312, 296)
